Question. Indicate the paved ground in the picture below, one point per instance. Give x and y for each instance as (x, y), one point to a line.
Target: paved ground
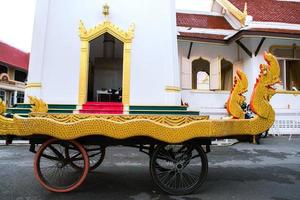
(243, 171)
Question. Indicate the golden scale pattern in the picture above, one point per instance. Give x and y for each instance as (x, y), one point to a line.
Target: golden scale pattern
(171, 129)
(168, 120)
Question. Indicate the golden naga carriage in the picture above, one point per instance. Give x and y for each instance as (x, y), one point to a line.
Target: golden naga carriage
(73, 144)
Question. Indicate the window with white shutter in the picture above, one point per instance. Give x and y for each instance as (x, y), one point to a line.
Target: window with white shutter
(200, 74)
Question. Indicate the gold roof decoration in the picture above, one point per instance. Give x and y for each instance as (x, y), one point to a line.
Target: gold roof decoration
(237, 13)
(82, 29)
(106, 26)
(38, 105)
(131, 29)
(2, 107)
(105, 10)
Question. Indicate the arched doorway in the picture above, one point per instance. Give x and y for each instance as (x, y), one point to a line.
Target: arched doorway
(226, 75)
(200, 74)
(87, 37)
(105, 69)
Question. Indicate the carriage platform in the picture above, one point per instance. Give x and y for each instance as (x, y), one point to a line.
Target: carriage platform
(70, 145)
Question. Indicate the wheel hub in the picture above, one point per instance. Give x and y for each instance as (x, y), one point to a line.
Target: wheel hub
(60, 165)
(179, 166)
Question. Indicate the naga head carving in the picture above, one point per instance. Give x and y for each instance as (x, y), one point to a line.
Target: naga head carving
(38, 105)
(263, 90)
(2, 107)
(270, 73)
(273, 68)
(241, 81)
(236, 98)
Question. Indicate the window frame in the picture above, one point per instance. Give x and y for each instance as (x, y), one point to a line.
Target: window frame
(284, 59)
(284, 68)
(4, 92)
(18, 97)
(26, 75)
(4, 67)
(196, 73)
(232, 74)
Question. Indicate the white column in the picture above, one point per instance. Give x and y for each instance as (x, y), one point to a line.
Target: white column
(36, 62)
(186, 73)
(172, 73)
(15, 96)
(215, 74)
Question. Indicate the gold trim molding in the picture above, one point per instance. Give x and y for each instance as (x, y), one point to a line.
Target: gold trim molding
(169, 129)
(172, 89)
(33, 85)
(288, 92)
(241, 16)
(87, 35)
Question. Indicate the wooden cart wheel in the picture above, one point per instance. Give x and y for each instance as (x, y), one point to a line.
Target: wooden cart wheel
(179, 169)
(96, 154)
(52, 167)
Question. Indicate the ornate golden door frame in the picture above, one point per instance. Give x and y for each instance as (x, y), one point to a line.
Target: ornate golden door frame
(88, 35)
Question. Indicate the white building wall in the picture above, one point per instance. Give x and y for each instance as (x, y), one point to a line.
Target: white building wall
(209, 52)
(241, 60)
(287, 106)
(207, 102)
(56, 47)
(38, 48)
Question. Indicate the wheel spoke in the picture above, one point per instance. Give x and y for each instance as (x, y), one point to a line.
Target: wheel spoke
(74, 158)
(175, 168)
(96, 155)
(50, 157)
(93, 149)
(196, 156)
(56, 152)
(53, 168)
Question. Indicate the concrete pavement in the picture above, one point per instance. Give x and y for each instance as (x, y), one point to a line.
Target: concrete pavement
(242, 171)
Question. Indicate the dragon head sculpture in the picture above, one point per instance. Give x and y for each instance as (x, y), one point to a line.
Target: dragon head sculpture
(236, 98)
(263, 89)
(2, 107)
(38, 105)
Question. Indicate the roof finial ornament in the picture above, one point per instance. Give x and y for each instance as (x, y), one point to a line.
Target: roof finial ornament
(105, 10)
(245, 9)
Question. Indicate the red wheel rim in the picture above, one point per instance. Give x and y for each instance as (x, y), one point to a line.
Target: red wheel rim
(73, 186)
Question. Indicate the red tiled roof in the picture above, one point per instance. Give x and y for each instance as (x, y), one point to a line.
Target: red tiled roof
(271, 10)
(273, 30)
(200, 36)
(13, 56)
(255, 31)
(202, 21)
